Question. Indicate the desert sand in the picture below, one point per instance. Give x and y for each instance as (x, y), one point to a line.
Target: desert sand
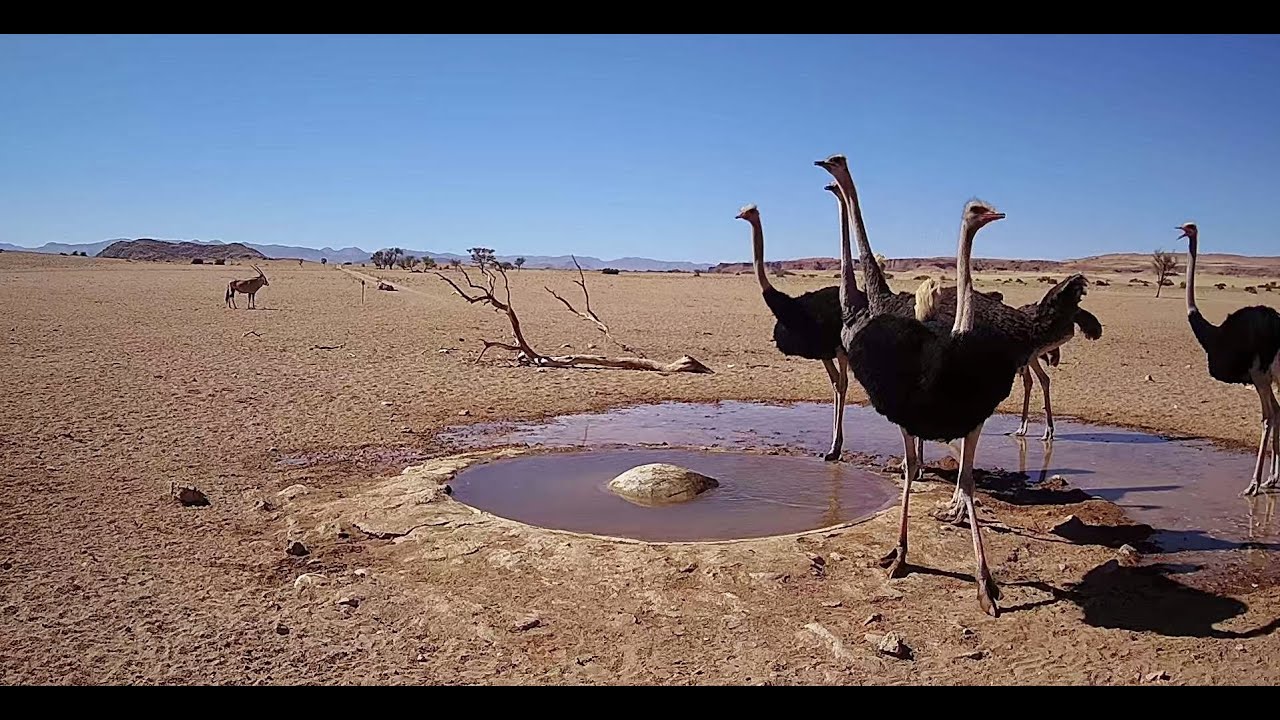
(123, 380)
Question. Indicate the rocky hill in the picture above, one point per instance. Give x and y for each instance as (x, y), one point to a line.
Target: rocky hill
(148, 250)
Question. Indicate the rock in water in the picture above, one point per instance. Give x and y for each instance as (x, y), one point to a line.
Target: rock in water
(660, 484)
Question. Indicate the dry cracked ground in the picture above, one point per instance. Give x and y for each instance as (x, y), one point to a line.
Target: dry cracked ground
(126, 380)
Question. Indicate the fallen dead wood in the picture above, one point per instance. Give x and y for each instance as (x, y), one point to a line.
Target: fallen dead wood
(328, 347)
(485, 291)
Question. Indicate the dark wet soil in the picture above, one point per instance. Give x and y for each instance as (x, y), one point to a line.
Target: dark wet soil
(1186, 489)
(758, 495)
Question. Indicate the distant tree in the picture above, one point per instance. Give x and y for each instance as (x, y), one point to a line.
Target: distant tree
(455, 263)
(506, 266)
(481, 256)
(428, 263)
(1163, 264)
(519, 263)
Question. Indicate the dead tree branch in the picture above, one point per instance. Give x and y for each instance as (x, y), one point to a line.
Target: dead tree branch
(587, 313)
(486, 293)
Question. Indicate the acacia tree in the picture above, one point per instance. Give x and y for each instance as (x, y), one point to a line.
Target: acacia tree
(519, 263)
(1163, 264)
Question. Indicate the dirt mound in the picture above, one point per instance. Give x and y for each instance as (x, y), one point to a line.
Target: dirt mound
(149, 250)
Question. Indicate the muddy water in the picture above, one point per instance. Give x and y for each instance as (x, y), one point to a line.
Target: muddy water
(759, 495)
(1187, 489)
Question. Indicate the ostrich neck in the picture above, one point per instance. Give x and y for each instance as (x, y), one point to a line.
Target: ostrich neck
(877, 287)
(848, 278)
(964, 281)
(1191, 277)
(757, 244)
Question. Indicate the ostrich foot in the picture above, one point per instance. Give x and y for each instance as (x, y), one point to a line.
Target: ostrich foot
(833, 455)
(1048, 433)
(1251, 490)
(1021, 431)
(988, 594)
(895, 562)
(955, 513)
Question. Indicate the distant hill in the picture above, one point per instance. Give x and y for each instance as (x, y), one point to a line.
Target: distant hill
(148, 250)
(358, 255)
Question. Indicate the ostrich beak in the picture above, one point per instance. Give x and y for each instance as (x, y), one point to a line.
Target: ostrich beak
(991, 217)
(824, 164)
(1184, 232)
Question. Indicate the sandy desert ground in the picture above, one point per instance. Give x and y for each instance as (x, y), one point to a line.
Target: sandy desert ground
(122, 379)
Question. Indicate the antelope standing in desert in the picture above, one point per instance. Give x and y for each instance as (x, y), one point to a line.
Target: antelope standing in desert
(248, 287)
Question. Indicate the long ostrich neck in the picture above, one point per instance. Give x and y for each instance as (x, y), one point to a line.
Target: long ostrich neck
(848, 278)
(1191, 276)
(964, 280)
(757, 244)
(877, 289)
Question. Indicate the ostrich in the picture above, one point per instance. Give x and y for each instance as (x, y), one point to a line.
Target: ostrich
(1244, 349)
(808, 326)
(1092, 330)
(940, 383)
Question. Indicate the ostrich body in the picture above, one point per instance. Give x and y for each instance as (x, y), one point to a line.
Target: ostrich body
(1244, 349)
(1050, 356)
(937, 382)
(808, 326)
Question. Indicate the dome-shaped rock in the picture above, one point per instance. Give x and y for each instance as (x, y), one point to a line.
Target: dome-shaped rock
(660, 483)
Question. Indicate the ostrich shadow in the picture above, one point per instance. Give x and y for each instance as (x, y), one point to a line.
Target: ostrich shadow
(1148, 599)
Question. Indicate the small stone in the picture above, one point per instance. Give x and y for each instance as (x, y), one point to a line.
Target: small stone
(386, 403)
(360, 572)
(350, 602)
(816, 559)
(1239, 647)
(1155, 676)
(297, 549)
(832, 603)
(307, 580)
(293, 491)
(273, 448)
(583, 659)
(190, 496)
(282, 629)
(528, 622)
(406, 430)
(447, 489)
(837, 557)
(873, 618)
(443, 351)
(1128, 556)
(690, 567)
(1150, 379)
(972, 655)
(464, 413)
(890, 644)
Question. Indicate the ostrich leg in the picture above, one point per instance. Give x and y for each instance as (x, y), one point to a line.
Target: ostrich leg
(839, 387)
(1274, 477)
(896, 561)
(1026, 400)
(988, 591)
(1043, 377)
(1268, 400)
(919, 458)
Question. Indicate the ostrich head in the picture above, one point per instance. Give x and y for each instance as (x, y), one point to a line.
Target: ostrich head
(749, 213)
(832, 188)
(1189, 230)
(977, 213)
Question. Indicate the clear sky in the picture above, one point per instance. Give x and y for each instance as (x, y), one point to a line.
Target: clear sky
(612, 146)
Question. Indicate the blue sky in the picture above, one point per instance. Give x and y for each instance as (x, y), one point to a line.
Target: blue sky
(612, 146)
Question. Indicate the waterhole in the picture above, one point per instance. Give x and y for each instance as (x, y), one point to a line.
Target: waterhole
(1186, 489)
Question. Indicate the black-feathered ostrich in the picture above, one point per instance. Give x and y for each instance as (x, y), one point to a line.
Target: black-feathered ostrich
(926, 304)
(1050, 356)
(1244, 349)
(938, 382)
(808, 325)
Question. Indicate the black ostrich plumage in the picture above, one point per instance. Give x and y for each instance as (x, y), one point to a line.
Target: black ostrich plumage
(937, 385)
(1249, 338)
(808, 325)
